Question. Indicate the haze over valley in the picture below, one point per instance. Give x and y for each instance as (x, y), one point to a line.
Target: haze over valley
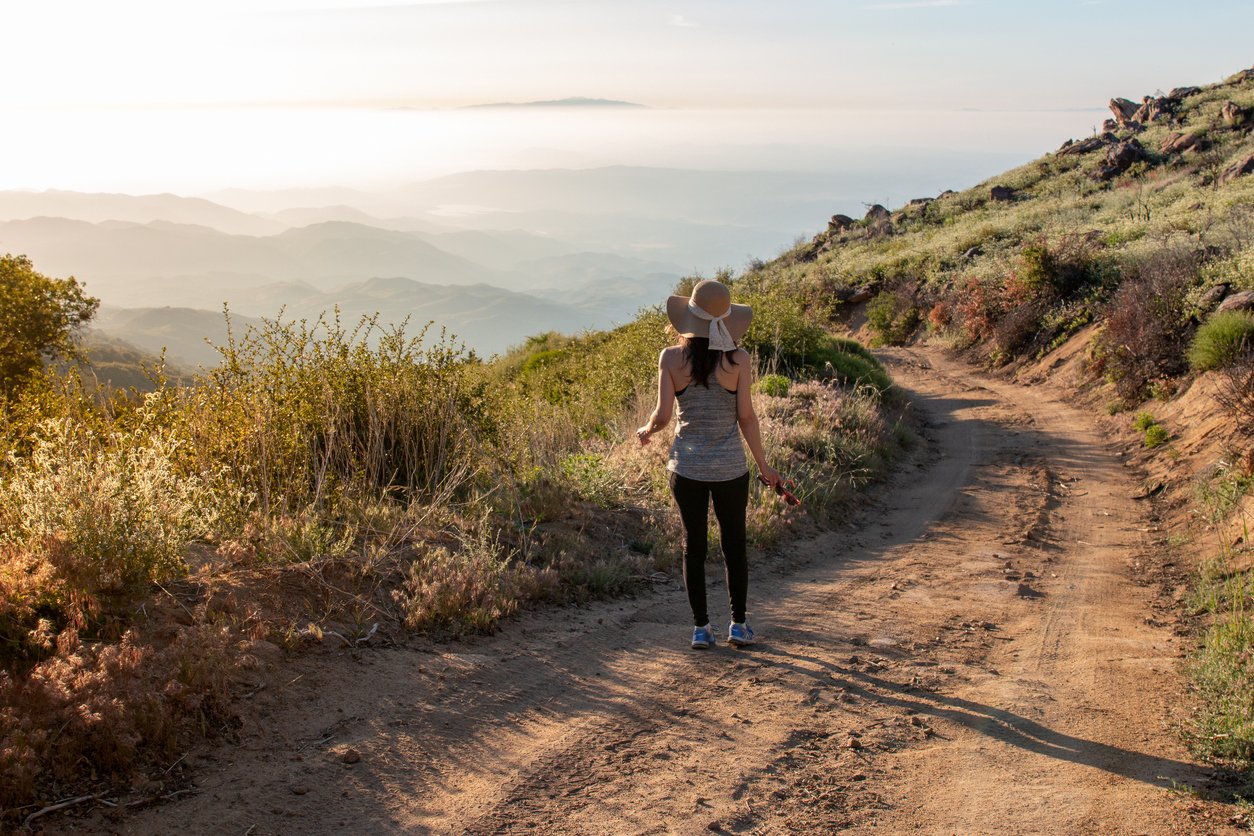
(493, 256)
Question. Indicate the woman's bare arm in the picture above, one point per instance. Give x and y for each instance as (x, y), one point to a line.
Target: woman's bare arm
(748, 419)
(665, 398)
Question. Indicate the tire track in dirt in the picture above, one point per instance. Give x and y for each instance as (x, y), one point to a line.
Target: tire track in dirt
(971, 656)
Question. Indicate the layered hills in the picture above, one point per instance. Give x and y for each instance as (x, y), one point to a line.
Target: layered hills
(493, 256)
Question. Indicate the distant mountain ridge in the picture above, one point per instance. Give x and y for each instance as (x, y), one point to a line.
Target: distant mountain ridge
(573, 101)
(98, 207)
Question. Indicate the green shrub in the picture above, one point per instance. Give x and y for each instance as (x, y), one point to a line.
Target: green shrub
(893, 318)
(591, 479)
(856, 370)
(1221, 339)
(773, 385)
(1154, 433)
(117, 504)
(1155, 436)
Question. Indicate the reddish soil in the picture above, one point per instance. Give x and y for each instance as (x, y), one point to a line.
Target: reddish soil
(980, 652)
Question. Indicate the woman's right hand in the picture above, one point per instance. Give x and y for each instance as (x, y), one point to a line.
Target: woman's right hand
(770, 476)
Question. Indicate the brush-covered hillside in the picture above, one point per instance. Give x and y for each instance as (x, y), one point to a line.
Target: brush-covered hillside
(1120, 269)
(1156, 211)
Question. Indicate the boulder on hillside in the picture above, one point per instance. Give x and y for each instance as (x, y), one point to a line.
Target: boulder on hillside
(1183, 92)
(1001, 193)
(1237, 78)
(1123, 110)
(839, 223)
(1245, 165)
(1110, 126)
(1213, 296)
(853, 295)
(1233, 114)
(877, 213)
(1177, 143)
(1086, 145)
(1152, 109)
(946, 193)
(1243, 301)
(920, 201)
(1121, 157)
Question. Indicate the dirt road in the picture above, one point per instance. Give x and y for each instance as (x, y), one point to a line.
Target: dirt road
(975, 656)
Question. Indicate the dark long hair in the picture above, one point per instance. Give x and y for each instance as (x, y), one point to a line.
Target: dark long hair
(704, 359)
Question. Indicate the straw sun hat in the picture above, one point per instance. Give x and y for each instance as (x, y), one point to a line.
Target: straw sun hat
(709, 307)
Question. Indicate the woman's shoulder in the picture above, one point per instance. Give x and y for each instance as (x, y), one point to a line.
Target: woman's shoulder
(671, 357)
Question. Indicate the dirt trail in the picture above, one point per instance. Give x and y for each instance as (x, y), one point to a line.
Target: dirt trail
(975, 656)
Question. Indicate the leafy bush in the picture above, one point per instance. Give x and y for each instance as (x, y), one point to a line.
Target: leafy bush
(39, 320)
(893, 317)
(592, 480)
(1153, 433)
(303, 415)
(1155, 436)
(773, 385)
(1147, 323)
(856, 370)
(1221, 339)
(116, 503)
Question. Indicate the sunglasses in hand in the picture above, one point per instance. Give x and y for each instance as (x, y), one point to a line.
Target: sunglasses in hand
(783, 491)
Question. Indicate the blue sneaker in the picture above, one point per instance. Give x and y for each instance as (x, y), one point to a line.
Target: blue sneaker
(702, 637)
(740, 635)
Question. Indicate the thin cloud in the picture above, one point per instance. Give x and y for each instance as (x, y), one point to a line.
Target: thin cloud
(917, 4)
(682, 22)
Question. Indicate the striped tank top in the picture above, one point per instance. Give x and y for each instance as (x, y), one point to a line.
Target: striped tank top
(707, 442)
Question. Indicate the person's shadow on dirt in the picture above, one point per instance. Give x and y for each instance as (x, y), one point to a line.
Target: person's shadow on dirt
(996, 723)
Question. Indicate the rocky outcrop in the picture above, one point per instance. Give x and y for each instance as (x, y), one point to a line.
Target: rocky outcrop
(1183, 92)
(1152, 109)
(1237, 78)
(1213, 296)
(853, 295)
(1001, 193)
(840, 223)
(1177, 143)
(1123, 110)
(1234, 115)
(1243, 301)
(920, 201)
(1121, 157)
(1085, 145)
(877, 213)
(1245, 165)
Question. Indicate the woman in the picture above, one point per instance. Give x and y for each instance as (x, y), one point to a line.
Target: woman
(710, 378)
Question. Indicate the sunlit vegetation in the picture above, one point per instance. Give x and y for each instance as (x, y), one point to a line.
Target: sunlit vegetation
(324, 478)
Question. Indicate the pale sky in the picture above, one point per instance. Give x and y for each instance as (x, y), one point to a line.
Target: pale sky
(149, 63)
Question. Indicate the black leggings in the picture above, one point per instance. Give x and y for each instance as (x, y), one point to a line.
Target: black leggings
(731, 498)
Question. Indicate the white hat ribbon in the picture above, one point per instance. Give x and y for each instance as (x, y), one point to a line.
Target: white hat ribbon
(720, 337)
